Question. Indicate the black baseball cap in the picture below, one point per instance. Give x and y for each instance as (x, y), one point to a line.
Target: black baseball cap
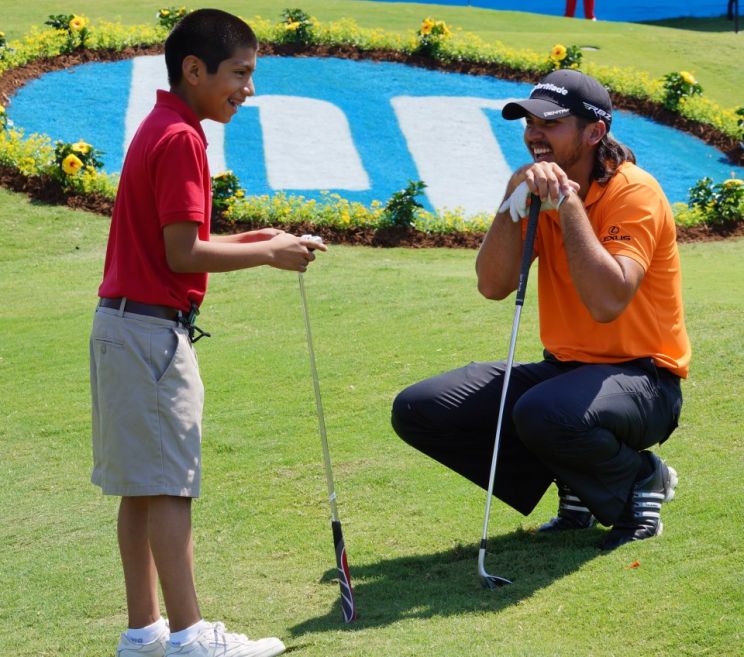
(562, 93)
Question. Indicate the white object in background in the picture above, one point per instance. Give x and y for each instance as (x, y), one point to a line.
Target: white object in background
(455, 151)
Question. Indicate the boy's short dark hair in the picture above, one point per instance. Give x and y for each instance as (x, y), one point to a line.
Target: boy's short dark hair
(211, 35)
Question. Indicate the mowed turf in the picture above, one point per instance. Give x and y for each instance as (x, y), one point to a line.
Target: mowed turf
(381, 319)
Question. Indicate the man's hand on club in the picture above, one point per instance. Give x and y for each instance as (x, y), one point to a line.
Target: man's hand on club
(547, 180)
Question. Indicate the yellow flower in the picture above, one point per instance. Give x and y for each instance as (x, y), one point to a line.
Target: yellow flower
(239, 194)
(77, 23)
(27, 164)
(427, 26)
(164, 13)
(81, 147)
(687, 77)
(443, 29)
(292, 26)
(71, 164)
(558, 53)
(2, 110)
(733, 182)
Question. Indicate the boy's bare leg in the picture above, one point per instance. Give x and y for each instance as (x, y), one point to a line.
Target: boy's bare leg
(155, 541)
(169, 530)
(140, 576)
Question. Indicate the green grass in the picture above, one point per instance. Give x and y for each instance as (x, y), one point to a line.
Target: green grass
(381, 319)
(706, 47)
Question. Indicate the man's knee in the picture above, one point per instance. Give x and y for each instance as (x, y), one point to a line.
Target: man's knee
(402, 415)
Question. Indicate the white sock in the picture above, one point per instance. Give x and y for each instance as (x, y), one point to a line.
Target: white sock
(189, 634)
(148, 634)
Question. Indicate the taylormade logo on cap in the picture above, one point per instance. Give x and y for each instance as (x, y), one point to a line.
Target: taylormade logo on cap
(549, 87)
(561, 93)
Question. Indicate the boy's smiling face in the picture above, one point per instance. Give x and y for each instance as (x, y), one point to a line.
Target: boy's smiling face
(218, 95)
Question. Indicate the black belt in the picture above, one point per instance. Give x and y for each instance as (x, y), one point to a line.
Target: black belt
(149, 309)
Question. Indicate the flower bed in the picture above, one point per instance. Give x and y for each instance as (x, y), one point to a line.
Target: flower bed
(55, 172)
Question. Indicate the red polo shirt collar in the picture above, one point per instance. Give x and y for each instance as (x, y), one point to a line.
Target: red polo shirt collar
(173, 102)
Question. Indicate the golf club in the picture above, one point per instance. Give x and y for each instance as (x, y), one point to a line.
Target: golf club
(494, 581)
(344, 577)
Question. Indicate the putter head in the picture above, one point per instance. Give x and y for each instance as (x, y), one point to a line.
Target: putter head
(493, 581)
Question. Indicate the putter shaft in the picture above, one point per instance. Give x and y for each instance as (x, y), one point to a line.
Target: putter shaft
(318, 403)
(342, 566)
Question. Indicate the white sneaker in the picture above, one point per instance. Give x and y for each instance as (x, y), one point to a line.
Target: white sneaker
(127, 648)
(213, 641)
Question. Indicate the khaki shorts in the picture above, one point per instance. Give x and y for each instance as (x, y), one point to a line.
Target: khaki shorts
(147, 400)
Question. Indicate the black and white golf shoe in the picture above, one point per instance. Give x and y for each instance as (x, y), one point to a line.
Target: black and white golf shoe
(572, 514)
(641, 517)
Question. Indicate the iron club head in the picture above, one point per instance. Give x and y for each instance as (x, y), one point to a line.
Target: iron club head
(493, 581)
(488, 581)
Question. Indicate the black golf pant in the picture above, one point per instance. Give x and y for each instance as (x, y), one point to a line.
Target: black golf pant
(584, 424)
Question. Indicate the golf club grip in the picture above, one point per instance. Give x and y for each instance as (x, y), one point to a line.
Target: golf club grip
(344, 577)
(529, 244)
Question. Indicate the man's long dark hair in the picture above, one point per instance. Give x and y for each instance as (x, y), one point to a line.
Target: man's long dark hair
(610, 154)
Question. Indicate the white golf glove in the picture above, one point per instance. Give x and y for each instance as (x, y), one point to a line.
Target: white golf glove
(517, 203)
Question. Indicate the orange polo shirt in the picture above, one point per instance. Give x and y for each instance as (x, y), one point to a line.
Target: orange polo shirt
(631, 217)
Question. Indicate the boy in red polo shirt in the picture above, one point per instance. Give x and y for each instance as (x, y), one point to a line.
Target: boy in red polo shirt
(611, 322)
(146, 390)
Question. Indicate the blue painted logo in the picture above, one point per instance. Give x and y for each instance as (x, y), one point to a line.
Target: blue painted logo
(360, 129)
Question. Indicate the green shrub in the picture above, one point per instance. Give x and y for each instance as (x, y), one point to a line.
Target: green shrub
(721, 203)
(74, 28)
(562, 57)
(298, 26)
(678, 86)
(73, 161)
(430, 36)
(169, 16)
(225, 190)
(400, 210)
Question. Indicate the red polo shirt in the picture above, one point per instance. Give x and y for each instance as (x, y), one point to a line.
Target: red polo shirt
(165, 180)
